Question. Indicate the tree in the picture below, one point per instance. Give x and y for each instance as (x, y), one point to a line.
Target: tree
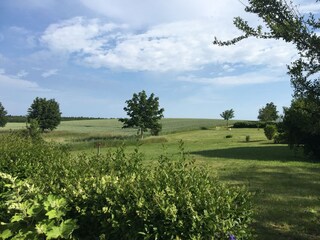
(283, 21)
(301, 126)
(3, 116)
(144, 113)
(45, 112)
(227, 115)
(268, 113)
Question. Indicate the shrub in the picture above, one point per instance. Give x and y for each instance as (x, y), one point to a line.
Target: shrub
(115, 196)
(270, 131)
(248, 138)
(23, 156)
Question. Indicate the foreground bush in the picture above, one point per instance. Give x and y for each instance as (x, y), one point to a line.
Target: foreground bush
(114, 196)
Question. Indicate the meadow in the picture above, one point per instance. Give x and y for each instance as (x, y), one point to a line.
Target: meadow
(286, 183)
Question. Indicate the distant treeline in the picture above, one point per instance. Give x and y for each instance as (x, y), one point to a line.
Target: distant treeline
(249, 124)
(12, 118)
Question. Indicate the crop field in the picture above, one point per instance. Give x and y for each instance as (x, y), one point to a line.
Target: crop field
(85, 131)
(286, 184)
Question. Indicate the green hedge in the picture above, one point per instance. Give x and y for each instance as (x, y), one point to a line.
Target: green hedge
(249, 124)
(113, 196)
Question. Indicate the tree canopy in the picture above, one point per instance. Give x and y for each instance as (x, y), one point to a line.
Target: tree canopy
(45, 112)
(144, 113)
(282, 20)
(3, 116)
(227, 115)
(302, 127)
(268, 113)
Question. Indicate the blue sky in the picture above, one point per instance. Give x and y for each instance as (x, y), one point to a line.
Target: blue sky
(92, 55)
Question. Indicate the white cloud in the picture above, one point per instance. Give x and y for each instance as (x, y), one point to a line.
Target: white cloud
(17, 83)
(79, 35)
(49, 73)
(177, 46)
(228, 68)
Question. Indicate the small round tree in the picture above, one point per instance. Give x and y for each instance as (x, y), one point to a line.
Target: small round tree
(3, 116)
(268, 113)
(45, 112)
(227, 115)
(144, 113)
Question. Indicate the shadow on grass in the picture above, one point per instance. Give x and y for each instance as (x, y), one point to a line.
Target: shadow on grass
(263, 153)
(287, 205)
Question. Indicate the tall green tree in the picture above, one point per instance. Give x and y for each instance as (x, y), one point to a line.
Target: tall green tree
(45, 112)
(144, 113)
(3, 116)
(301, 124)
(282, 20)
(227, 115)
(268, 113)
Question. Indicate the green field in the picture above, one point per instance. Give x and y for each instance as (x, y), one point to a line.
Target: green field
(287, 185)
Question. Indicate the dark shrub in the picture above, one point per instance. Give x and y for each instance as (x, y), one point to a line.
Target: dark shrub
(251, 124)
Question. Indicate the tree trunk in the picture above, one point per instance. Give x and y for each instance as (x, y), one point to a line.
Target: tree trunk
(141, 133)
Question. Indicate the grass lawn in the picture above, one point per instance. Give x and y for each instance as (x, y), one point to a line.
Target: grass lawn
(287, 185)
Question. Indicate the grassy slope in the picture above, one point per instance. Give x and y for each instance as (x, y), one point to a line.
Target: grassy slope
(288, 187)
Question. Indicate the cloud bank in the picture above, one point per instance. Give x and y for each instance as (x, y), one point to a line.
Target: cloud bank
(177, 46)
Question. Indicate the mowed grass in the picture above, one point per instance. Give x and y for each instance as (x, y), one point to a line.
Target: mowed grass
(285, 183)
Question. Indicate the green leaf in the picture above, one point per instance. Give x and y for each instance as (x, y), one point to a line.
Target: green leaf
(54, 232)
(67, 227)
(33, 210)
(54, 214)
(16, 218)
(6, 234)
